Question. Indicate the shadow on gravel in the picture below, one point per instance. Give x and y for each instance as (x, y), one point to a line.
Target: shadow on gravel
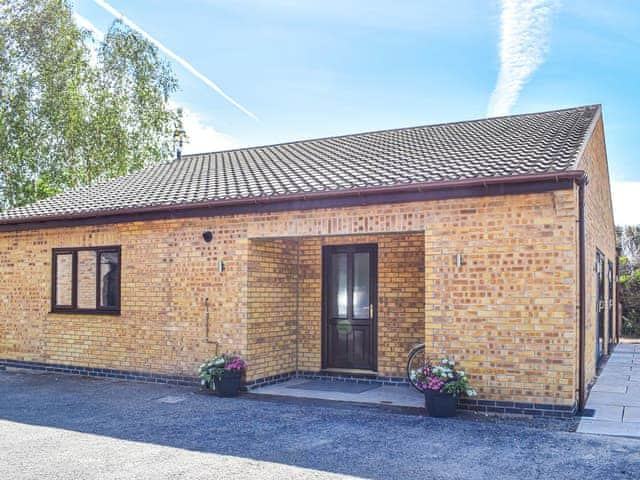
(363, 442)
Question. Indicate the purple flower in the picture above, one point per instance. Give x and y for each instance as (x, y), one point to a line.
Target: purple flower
(236, 364)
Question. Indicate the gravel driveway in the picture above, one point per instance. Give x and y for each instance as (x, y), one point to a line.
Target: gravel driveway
(76, 428)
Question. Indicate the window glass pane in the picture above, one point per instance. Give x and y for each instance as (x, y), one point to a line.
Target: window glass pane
(338, 285)
(361, 285)
(109, 280)
(87, 279)
(64, 265)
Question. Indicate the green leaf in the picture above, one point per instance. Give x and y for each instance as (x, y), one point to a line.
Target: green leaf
(71, 115)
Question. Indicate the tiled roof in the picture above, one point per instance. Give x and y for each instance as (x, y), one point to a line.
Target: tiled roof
(494, 147)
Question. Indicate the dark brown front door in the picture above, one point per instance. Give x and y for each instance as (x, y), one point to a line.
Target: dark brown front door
(610, 284)
(349, 306)
(600, 307)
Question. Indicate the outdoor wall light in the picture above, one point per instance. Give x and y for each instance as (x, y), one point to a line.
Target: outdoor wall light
(459, 260)
(220, 266)
(208, 236)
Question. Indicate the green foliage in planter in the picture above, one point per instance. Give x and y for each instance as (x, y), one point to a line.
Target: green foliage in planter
(444, 378)
(218, 367)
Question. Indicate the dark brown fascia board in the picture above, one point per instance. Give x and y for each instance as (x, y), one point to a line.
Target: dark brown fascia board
(411, 192)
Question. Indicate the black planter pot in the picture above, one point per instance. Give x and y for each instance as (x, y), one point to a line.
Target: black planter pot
(228, 384)
(440, 404)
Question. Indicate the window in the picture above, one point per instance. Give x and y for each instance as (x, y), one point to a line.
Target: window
(86, 280)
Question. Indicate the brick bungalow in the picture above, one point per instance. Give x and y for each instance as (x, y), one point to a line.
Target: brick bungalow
(492, 241)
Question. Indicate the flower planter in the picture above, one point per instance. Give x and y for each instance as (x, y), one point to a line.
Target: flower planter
(224, 372)
(440, 404)
(228, 384)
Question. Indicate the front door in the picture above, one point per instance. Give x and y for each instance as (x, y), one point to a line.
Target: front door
(599, 305)
(349, 306)
(610, 284)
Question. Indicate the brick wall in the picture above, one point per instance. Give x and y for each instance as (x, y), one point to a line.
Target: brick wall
(284, 301)
(599, 234)
(400, 297)
(167, 273)
(272, 307)
(508, 315)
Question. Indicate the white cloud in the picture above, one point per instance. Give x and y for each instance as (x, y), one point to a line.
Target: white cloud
(171, 54)
(524, 42)
(202, 137)
(626, 201)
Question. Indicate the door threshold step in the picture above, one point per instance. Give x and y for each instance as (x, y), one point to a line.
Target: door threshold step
(351, 371)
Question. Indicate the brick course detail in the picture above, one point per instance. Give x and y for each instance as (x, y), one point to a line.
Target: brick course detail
(483, 406)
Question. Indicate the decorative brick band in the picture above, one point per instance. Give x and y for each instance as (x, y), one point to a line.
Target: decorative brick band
(271, 380)
(517, 408)
(101, 372)
(325, 375)
(477, 405)
(352, 377)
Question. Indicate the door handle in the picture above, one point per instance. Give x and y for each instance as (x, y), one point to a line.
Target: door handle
(371, 310)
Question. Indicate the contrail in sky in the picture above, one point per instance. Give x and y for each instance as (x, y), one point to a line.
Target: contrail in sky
(87, 25)
(190, 68)
(524, 42)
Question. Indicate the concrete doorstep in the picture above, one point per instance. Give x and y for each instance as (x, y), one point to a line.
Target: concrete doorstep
(397, 396)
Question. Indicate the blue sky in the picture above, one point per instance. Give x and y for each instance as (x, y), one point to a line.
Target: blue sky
(312, 69)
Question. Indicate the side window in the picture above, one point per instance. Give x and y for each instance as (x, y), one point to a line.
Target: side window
(63, 283)
(86, 280)
(109, 294)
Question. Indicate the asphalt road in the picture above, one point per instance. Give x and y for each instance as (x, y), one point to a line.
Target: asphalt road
(78, 428)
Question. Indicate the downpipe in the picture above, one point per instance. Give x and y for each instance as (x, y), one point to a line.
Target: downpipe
(582, 393)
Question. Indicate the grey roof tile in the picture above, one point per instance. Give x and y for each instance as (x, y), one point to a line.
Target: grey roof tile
(502, 146)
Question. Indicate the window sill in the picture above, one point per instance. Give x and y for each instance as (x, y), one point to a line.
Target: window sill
(85, 312)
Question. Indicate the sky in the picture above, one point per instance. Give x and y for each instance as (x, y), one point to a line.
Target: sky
(257, 72)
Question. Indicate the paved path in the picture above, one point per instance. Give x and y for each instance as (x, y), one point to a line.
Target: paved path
(616, 395)
(56, 427)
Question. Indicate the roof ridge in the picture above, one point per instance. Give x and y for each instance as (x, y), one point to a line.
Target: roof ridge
(373, 132)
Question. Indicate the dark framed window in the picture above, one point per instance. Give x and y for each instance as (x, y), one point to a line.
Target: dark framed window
(86, 280)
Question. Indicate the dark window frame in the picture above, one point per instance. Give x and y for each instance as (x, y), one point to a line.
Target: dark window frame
(73, 308)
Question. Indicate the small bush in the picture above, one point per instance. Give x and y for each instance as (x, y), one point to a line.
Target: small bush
(630, 300)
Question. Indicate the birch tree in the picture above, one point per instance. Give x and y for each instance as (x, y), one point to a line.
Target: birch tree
(73, 109)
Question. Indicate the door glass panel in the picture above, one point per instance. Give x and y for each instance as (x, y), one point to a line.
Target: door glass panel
(87, 277)
(361, 288)
(109, 279)
(600, 304)
(338, 285)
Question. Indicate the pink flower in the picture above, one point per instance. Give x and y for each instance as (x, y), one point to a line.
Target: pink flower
(433, 383)
(236, 364)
